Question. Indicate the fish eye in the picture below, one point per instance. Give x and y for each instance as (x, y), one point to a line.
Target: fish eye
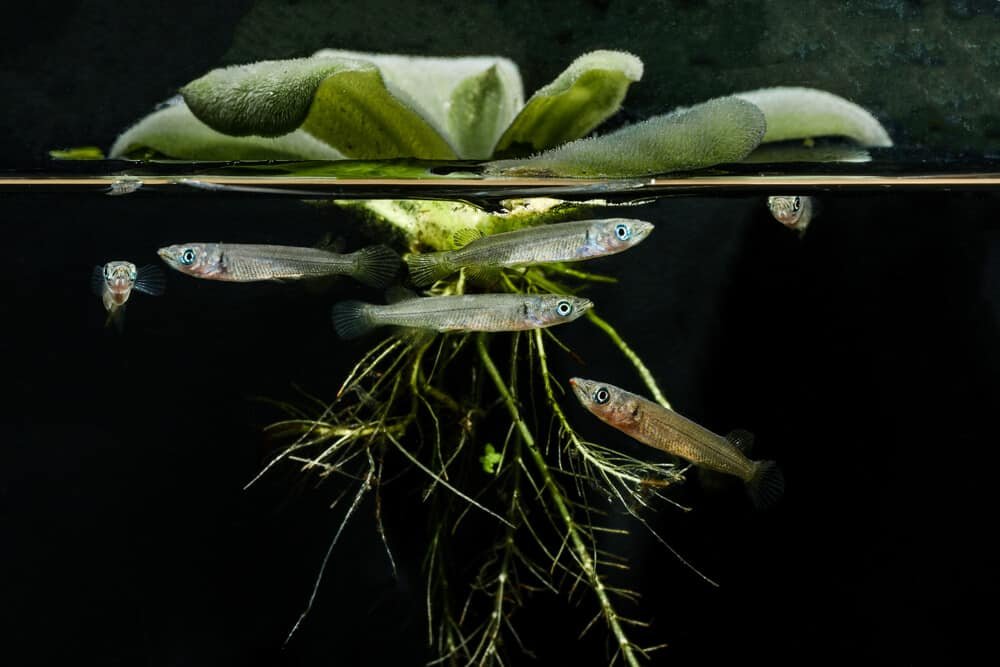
(564, 308)
(602, 396)
(187, 257)
(795, 204)
(623, 232)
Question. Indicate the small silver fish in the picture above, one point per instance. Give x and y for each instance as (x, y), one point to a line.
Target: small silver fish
(557, 242)
(656, 426)
(794, 212)
(115, 281)
(238, 262)
(123, 185)
(469, 312)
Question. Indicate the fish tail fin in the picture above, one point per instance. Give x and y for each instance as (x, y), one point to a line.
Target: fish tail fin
(352, 319)
(429, 267)
(116, 318)
(766, 484)
(376, 265)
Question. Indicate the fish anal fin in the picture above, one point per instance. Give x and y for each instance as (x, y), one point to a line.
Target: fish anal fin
(483, 275)
(398, 293)
(741, 440)
(464, 237)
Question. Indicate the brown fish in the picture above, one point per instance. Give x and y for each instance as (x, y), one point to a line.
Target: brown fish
(656, 426)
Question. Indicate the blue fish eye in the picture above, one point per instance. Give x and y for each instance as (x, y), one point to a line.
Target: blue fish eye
(187, 257)
(623, 232)
(796, 203)
(564, 308)
(602, 396)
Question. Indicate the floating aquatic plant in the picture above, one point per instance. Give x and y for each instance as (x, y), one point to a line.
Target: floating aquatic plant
(427, 400)
(349, 105)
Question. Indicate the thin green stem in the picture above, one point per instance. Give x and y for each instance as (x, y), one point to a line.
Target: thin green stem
(640, 367)
(562, 507)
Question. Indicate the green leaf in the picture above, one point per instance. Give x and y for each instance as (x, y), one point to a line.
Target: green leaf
(490, 459)
(342, 101)
(481, 108)
(78, 153)
(801, 113)
(724, 129)
(469, 100)
(589, 91)
(174, 132)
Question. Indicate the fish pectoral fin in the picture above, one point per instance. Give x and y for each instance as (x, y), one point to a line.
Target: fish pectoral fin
(741, 440)
(464, 237)
(97, 281)
(150, 280)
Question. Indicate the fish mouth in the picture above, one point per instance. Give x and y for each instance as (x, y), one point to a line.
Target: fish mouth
(164, 253)
(582, 306)
(641, 229)
(583, 389)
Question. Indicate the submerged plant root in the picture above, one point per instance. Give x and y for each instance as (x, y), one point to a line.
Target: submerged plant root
(421, 398)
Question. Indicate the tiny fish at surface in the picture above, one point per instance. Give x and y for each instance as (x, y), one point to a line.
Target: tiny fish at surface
(242, 263)
(470, 312)
(794, 212)
(656, 426)
(115, 281)
(556, 242)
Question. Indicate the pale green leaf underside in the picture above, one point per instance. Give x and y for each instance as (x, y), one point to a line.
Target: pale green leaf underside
(175, 132)
(469, 100)
(586, 93)
(341, 101)
(801, 113)
(721, 130)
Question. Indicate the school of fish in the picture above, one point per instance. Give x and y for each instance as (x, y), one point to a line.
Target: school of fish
(480, 258)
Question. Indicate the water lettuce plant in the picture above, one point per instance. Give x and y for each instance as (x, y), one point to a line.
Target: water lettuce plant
(435, 403)
(350, 105)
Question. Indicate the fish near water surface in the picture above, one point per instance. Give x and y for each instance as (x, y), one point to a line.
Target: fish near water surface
(115, 281)
(556, 242)
(656, 426)
(468, 312)
(794, 212)
(241, 262)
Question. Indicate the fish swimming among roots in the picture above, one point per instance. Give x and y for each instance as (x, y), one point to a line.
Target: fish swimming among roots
(242, 263)
(656, 426)
(555, 242)
(468, 312)
(115, 281)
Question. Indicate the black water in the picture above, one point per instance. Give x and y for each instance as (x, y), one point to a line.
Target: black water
(864, 357)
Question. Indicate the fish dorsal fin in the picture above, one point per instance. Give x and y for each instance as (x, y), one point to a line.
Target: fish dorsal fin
(464, 237)
(397, 293)
(741, 440)
(330, 243)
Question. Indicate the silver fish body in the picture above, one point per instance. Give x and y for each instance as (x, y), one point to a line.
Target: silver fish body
(238, 262)
(557, 242)
(470, 312)
(115, 281)
(794, 212)
(656, 426)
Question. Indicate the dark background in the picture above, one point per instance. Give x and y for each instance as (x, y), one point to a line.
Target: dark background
(864, 358)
